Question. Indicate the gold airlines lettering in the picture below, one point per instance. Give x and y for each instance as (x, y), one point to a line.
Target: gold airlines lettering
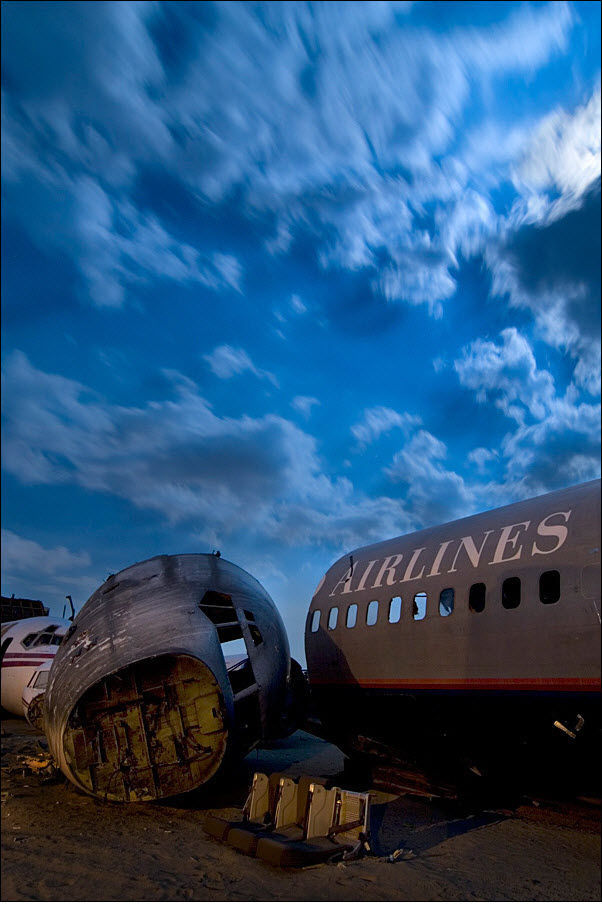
(506, 544)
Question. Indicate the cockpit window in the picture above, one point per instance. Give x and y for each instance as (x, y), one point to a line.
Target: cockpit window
(41, 679)
(27, 641)
(43, 640)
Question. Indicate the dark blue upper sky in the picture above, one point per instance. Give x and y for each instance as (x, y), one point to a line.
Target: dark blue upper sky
(288, 278)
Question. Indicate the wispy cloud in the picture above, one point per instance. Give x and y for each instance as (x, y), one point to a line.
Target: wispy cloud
(508, 374)
(377, 421)
(434, 492)
(226, 361)
(305, 404)
(184, 462)
(31, 569)
(337, 120)
(556, 438)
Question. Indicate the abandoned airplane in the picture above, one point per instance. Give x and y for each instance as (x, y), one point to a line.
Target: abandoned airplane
(477, 637)
(141, 703)
(29, 646)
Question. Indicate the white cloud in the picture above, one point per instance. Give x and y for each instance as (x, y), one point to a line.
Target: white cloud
(226, 362)
(379, 420)
(563, 156)
(340, 119)
(434, 493)
(57, 570)
(481, 457)
(216, 475)
(560, 450)
(557, 438)
(297, 305)
(304, 404)
(508, 374)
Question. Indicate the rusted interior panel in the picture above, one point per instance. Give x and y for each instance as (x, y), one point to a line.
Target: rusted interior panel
(153, 729)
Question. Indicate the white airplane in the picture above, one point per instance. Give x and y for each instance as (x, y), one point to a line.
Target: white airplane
(28, 649)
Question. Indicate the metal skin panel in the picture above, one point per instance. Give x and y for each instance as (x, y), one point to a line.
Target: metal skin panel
(441, 666)
(151, 610)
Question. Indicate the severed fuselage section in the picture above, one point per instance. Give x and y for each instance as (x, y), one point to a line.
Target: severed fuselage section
(142, 702)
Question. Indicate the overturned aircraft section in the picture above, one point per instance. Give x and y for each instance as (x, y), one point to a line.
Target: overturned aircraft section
(142, 703)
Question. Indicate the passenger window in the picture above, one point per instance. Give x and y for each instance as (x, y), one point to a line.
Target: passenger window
(395, 610)
(476, 598)
(549, 587)
(511, 593)
(372, 613)
(315, 620)
(351, 615)
(446, 601)
(333, 616)
(419, 608)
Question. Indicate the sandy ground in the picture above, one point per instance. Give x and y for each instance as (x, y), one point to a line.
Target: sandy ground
(60, 845)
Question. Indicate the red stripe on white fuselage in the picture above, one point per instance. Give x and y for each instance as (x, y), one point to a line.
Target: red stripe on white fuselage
(475, 684)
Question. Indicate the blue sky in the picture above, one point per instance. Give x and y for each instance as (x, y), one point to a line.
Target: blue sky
(288, 278)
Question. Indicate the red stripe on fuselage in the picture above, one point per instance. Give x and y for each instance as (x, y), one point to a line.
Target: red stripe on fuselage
(21, 663)
(517, 684)
(29, 655)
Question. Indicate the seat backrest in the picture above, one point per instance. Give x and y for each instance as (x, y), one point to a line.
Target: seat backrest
(304, 799)
(286, 807)
(259, 798)
(321, 810)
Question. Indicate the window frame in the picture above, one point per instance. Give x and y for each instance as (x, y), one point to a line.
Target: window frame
(375, 603)
(543, 574)
(475, 584)
(415, 607)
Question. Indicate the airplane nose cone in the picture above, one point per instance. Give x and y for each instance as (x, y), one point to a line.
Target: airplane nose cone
(153, 729)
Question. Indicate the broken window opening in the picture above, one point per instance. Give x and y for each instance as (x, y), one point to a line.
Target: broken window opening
(333, 617)
(446, 601)
(549, 587)
(394, 610)
(476, 597)
(511, 593)
(419, 607)
(315, 621)
(234, 648)
(241, 676)
(255, 634)
(218, 607)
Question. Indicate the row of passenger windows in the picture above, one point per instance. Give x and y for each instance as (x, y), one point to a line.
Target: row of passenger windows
(549, 592)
